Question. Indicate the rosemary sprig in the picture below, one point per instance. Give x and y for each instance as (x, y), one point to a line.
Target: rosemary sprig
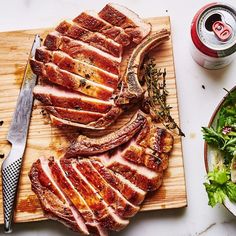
(156, 87)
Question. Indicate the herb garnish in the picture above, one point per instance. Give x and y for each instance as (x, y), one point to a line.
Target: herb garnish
(157, 96)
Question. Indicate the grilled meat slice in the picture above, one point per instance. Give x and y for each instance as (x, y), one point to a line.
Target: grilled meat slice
(91, 21)
(53, 201)
(142, 177)
(99, 124)
(83, 52)
(74, 196)
(83, 117)
(150, 147)
(110, 195)
(103, 212)
(130, 191)
(91, 146)
(121, 16)
(65, 62)
(57, 96)
(95, 39)
(146, 157)
(71, 81)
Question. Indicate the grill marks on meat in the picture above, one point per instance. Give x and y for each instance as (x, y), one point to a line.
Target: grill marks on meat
(91, 21)
(121, 16)
(150, 147)
(95, 39)
(83, 51)
(65, 62)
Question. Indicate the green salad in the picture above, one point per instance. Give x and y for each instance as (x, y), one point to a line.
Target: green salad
(221, 181)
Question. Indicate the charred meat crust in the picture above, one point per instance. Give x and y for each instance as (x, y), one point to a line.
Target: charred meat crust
(91, 146)
(97, 40)
(91, 21)
(121, 16)
(83, 51)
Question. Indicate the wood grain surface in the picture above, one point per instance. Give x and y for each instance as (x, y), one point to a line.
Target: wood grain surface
(44, 140)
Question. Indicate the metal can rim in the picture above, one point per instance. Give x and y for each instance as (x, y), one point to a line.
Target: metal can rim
(202, 45)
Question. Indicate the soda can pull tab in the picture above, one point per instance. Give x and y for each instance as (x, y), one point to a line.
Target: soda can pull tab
(221, 30)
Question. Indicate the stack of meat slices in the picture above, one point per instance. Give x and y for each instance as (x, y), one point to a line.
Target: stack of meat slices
(99, 191)
(80, 66)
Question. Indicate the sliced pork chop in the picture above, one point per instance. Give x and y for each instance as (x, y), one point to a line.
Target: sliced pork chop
(121, 16)
(95, 39)
(99, 124)
(150, 147)
(110, 195)
(91, 21)
(91, 146)
(83, 52)
(53, 201)
(142, 177)
(83, 117)
(130, 191)
(74, 196)
(103, 212)
(65, 62)
(52, 95)
(144, 156)
(71, 81)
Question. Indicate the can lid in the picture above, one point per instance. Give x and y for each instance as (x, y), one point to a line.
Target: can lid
(216, 29)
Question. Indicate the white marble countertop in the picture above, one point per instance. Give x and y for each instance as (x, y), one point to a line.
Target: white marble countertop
(196, 106)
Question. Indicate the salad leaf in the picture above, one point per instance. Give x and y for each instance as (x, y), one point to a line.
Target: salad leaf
(222, 142)
(218, 176)
(220, 186)
(230, 189)
(215, 194)
(213, 137)
(223, 137)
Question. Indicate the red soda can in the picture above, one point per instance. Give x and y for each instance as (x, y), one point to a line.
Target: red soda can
(213, 33)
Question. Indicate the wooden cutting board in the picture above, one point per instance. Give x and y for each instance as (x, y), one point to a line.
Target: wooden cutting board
(46, 140)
